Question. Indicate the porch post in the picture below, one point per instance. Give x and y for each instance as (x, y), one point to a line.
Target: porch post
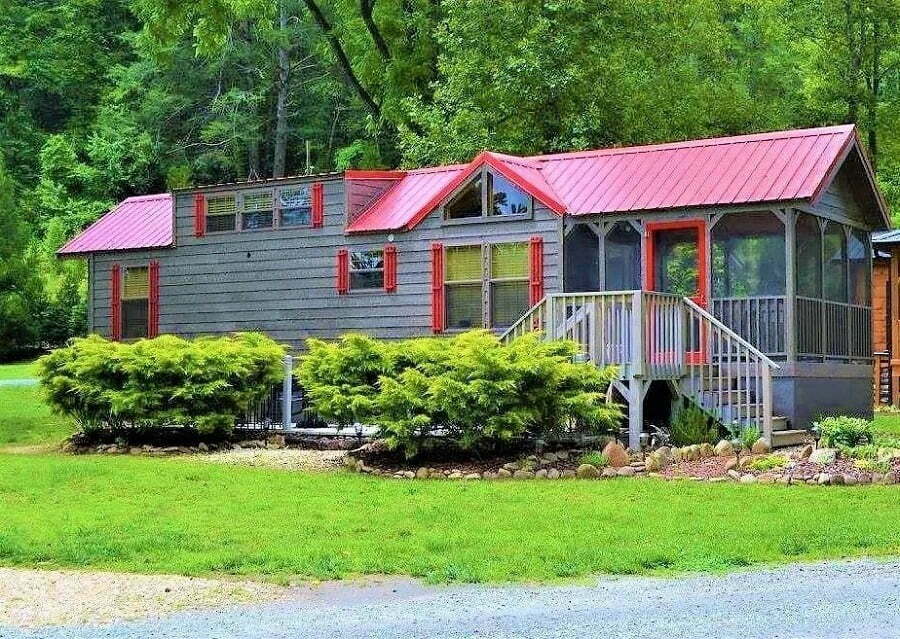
(790, 285)
(287, 385)
(635, 412)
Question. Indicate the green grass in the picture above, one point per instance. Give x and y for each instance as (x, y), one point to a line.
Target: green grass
(19, 370)
(164, 515)
(26, 420)
(887, 424)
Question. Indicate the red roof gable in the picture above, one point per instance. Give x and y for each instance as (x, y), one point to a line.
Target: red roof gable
(135, 223)
(763, 167)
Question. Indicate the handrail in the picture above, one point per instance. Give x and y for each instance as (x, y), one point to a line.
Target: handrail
(740, 340)
(529, 314)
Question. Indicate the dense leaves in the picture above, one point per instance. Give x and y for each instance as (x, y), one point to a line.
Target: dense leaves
(101, 99)
(205, 383)
(470, 389)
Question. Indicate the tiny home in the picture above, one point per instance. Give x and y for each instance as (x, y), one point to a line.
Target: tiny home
(886, 317)
(732, 272)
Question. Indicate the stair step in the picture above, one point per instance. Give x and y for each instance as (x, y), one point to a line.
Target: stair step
(793, 437)
(780, 423)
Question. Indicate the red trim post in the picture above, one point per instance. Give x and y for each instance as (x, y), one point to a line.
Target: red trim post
(115, 303)
(343, 272)
(199, 215)
(437, 288)
(153, 310)
(318, 205)
(390, 268)
(537, 270)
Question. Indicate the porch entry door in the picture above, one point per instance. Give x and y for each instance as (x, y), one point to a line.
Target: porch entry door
(677, 263)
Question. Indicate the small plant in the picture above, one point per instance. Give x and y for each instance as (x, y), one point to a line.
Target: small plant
(594, 458)
(748, 436)
(845, 431)
(692, 426)
(767, 463)
(872, 466)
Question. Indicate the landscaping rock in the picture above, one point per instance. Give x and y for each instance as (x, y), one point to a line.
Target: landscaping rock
(677, 455)
(654, 463)
(889, 478)
(823, 456)
(550, 457)
(568, 474)
(511, 466)
(626, 471)
(523, 474)
(609, 472)
(541, 474)
(458, 475)
(731, 464)
(552, 474)
(733, 474)
(877, 478)
(422, 473)
(805, 452)
(664, 453)
(823, 479)
(472, 476)
(275, 441)
(766, 478)
(706, 450)
(587, 471)
(724, 448)
(202, 447)
(691, 453)
(562, 455)
(837, 479)
(748, 479)
(616, 454)
(717, 480)
(850, 480)
(760, 447)
(504, 473)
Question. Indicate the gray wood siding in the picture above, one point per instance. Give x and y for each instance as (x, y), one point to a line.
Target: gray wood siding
(283, 281)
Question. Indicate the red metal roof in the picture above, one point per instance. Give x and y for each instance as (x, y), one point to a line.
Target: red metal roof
(139, 222)
(746, 169)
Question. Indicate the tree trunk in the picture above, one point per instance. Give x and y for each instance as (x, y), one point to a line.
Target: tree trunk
(279, 156)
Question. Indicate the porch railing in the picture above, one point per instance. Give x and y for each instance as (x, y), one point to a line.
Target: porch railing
(656, 336)
(833, 330)
(762, 321)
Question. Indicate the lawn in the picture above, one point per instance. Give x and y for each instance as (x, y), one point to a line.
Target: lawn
(167, 515)
(26, 420)
(19, 370)
(887, 424)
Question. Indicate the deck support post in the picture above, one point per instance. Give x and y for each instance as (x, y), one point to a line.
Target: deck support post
(287, 389)
(634, 394)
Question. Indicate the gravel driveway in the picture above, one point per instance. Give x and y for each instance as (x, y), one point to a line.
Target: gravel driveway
(835, 599)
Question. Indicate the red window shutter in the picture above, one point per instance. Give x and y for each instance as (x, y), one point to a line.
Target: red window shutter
(115, 303)
(318, 205)
(390, 268)
(437, 288)
(537, 270)
(153, 314)
(199, 215)
(343, 272)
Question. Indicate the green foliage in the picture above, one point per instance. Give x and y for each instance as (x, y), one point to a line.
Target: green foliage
(594, 458)
(845, 431)
(872, 466)
(692, 426)
(768, 462)
(205, 383)
(469, 389)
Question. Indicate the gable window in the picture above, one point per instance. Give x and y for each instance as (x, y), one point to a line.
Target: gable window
(488, 194)
(221, 213)
(464, 287)
(295, 206)
(257, 211)
(135, 302)
(366, 269)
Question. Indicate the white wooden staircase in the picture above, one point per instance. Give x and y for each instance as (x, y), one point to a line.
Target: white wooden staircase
(655, 336)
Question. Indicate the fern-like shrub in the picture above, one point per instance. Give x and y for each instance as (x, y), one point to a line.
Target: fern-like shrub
(206, 383)
(470, 389)
(691, 425)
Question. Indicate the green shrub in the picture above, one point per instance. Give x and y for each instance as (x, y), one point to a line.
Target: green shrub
(769, 462)
(205, 383)
(469, 389)
(872, 466)
(692, 426)
(594, 458)
(845, 431)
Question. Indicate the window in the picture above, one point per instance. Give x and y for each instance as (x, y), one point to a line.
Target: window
(509, 283)
(257, 211)
(488, 194)
(748, 255)
(221, 213)
(809, 257)
(834, 243)
(295, 205)
(463, 285)
(135, 302)
(622, 258)
(860, 278)
(366, 269)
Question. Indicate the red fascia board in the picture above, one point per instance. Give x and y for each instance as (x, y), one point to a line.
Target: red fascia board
(484, 158)
(353, 174)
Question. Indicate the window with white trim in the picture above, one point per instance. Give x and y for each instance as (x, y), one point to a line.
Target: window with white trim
(135, 302)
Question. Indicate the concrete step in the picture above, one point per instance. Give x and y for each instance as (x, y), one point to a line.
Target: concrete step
(780, 423)
(781, 438)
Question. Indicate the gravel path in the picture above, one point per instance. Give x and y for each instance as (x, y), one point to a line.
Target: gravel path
(847, 599)
(282, 458)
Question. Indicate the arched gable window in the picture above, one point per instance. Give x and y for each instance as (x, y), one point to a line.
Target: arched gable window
(488, 194)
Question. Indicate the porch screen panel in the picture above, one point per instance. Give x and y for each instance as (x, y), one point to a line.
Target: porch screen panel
(582, 260)
(748, 256)
(835, 263)
(809, 257)
(463, 277)
(858, 252)
(623, 258)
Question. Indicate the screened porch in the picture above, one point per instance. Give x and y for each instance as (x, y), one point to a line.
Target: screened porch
(795, 285)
